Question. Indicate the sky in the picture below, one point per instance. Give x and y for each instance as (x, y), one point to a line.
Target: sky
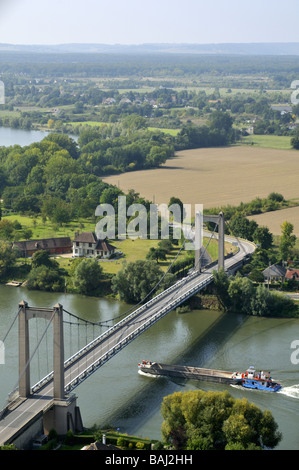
(154, 21)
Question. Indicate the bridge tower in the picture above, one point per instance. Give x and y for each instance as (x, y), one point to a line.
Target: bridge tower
(220, 221)
(56, 316)
(64, 413)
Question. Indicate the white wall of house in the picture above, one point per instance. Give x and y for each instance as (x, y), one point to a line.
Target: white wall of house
(88, 250)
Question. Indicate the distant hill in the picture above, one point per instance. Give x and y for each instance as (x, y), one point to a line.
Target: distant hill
(217, 49)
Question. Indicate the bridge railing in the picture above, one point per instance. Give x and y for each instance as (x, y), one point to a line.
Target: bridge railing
(132, 335)
(108, 332)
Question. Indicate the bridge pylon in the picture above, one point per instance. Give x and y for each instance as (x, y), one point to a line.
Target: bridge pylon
(55, 315)
(64, 414)
(220, 221)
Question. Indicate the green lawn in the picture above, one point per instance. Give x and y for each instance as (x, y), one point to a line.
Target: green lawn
(269, 141)
(48, 229)
(89, 123)
(173, 132)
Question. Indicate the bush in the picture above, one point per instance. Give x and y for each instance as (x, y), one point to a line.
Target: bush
(87, 276)
(47, 279)
(121, 442)
(139, 445)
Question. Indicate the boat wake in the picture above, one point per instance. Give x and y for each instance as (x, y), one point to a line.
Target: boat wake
(149, 375)
(239, 387)
(292, 391)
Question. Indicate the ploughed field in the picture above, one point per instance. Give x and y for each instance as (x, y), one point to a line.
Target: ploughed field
(218, 176)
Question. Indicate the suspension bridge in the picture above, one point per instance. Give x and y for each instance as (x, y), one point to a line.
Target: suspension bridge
(50, 401)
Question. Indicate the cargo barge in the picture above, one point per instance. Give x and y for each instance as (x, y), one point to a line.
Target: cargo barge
(248, 379)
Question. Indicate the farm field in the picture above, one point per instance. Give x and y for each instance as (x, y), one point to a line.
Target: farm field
(217, 176)
(273, 220)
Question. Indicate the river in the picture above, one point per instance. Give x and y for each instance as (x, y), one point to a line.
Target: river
(118, 395)
(23, 137)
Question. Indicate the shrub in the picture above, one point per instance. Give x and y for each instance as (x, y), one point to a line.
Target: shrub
(139, 445)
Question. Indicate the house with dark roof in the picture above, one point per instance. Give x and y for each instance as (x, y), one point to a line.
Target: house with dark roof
(274, 273)
(55, 246)
(88, 245)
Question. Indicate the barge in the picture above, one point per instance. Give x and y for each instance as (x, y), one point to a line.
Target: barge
(248, 379)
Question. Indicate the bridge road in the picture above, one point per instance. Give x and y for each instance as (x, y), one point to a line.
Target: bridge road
(100, 350)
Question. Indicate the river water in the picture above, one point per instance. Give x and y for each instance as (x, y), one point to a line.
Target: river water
(23, 137)
(116, 394)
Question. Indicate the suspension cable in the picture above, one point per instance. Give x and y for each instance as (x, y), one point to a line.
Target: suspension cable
(104, 323)
(13, 322)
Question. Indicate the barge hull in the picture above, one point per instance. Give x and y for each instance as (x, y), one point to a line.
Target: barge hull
(190, 373)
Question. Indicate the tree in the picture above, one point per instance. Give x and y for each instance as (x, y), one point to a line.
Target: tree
(135, 280)
(62, 214)
(7, 258)
(260, 301)
(263, 237)
(198, 420)
(46, 279)
(240, 291)
(87, 275)
(42, 258)
(240, 226)
(65, 142)
(295, 142)
(179, 212)
(287, 240)
(6, 229)
(221, 283)
(221, 120)
(156, 254)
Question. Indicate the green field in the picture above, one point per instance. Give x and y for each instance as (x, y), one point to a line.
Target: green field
(280, 142)
(47, 229)
(173, 132)
(89, 123)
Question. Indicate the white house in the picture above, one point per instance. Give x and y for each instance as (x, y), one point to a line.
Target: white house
(86, 244)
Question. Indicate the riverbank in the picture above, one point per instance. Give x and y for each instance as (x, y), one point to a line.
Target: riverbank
(100, 439)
